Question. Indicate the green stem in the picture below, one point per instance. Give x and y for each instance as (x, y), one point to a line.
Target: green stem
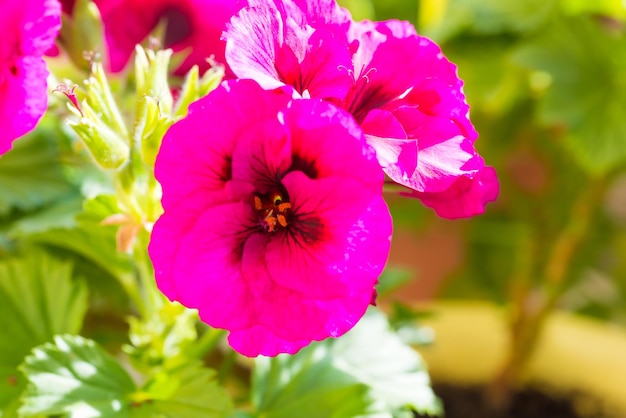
(152, 298)
(129, 283)
(531, 311)
(208, 342)
(226, 367)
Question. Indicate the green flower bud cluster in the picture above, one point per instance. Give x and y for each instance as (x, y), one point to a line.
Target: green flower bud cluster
(121, 119)
(100, 124)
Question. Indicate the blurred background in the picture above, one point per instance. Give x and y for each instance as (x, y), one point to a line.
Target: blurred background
(546, 84)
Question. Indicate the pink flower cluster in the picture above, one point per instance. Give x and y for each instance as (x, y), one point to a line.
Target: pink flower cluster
(275, 227)
(274, 224)
(399, 87)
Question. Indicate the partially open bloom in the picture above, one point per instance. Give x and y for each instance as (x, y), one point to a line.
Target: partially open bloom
(29, 28)
(274, 226)
(296, 43)
(403, 92)
(193, 28)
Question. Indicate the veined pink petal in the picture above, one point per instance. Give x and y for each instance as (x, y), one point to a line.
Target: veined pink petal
(276, 49)
(30, 28)
(444, 152)
(252, 341)
(466, 197)
(305, 12)
(396, 153)
(211, 152)
(180, 220)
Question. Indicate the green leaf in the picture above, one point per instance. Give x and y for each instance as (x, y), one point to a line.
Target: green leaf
(54, 215)
(582, 66)
(367, 372)
(31, 174)
(89, 238)
(308, 385)
(392, 278)
(189, 391)
(38, 299)
(75, 376)
(394, 373)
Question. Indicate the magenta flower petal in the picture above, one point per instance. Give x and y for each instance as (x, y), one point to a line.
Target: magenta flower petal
(194, 28)
(279, 232)
(275, 48)
(29, 30)
(259, 336)
(216, 155)
(396, 153)
(444, 152)
(466, 197)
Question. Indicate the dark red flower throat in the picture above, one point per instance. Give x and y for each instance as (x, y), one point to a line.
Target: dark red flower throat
(273, 209)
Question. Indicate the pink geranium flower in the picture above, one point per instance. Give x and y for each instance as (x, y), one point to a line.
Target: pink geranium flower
(29, 28)
(403, 92)
(193, 27)
(274, 226)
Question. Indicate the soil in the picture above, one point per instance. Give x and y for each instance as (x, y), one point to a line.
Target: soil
(470, 403)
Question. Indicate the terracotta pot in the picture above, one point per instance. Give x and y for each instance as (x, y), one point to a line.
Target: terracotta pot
(575, 355)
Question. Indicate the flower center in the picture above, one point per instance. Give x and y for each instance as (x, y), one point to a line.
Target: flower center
(273, 210)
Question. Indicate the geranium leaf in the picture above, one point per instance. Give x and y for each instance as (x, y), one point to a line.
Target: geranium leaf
(38, 299)
(585, 98)
(88, 237)
(392, 278)
(394, 373)
(306, 384)
(368, 372)
(74, 376)
(31, 174)
(189, 391)
(58, 214)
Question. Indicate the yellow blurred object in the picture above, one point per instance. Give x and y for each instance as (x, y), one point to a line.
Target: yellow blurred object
(574, 354)
(431, 12)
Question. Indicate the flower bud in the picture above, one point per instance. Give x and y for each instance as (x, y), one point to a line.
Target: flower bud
(107, 148)
(82, 34)
(151, 74)
(194, 87)
(151, 126)
(101, 100)
(154, 101)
